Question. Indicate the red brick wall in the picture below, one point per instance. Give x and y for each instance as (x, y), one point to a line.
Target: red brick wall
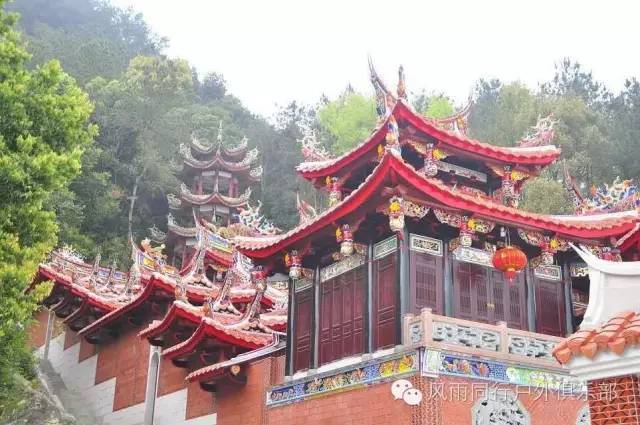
(369, 405)
(37, 331)
(459, 395)
(199, 402)
(86, 350)
(171, 377)
(127, 359)
(245, 405)
(70, 338)
(615, 400)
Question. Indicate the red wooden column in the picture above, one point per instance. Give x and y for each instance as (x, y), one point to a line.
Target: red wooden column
(291, 323)
(615, 400)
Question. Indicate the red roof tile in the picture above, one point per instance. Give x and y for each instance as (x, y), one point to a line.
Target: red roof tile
(577, 227)
(616, 335)
(535, 156)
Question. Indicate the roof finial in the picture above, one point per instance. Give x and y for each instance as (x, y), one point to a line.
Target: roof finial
(380, 90)
(220, 132)
(402, 89)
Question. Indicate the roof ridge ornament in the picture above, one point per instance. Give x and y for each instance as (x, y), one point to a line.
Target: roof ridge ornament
(312, 148)
(402, 88)
(541, 134)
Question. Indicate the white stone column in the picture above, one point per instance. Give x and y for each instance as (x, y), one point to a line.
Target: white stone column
(51, 321)
(152, 384)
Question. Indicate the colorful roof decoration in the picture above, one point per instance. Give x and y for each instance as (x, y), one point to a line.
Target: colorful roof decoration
(541, 134)
(538, 156)
(437, 194)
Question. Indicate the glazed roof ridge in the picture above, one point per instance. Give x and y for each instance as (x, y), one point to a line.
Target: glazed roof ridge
(537, 155)
(492, 210)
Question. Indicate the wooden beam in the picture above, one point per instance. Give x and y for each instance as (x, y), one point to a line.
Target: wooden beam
(315, 321)
(447, 263)
(368, 299)
(291, 314)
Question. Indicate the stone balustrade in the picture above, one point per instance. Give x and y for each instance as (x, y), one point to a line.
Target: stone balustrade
(463, 336)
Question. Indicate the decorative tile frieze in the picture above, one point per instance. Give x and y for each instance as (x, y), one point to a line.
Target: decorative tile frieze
(342, 266)
(473, 255)
(385, 247)
(466, 336)
(376, 370)
(436, 362)
(578, 270)
(531, 347)
(548, 272)
(425, 244)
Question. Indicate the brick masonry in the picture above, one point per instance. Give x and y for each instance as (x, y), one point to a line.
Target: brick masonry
(615, 400)
(38, 330)
(111, 379)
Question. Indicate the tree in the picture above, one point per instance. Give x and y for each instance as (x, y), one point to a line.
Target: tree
(43, 131)
(572, 80)
(502, 113)
(89, 37)
(348, 120)
(433, 105)
(544, 195)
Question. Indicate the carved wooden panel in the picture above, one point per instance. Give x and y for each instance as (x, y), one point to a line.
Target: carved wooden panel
(302, 340)
(385, 301)
(550, 318)
(342, 315)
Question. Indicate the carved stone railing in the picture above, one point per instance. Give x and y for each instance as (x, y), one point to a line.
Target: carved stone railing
(467, 337)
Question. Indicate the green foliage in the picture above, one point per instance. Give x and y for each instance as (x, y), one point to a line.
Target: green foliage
(43, 131)
(439, 107)
(502, 113)
(433, 105)
(546, 196)
(348, 120)
(89, 37)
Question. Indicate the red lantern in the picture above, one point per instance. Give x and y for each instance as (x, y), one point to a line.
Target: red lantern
(510, 260)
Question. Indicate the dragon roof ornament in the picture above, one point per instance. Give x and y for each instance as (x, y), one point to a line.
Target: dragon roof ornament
(250, 157)
(157, 235)
(202, 147)
(251, 218)
(541, 134)
(312, 149)
(174, 202)
(306, 212)
(621, 195)
(256, 173)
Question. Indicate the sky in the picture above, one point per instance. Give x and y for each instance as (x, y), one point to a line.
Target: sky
(272, 52)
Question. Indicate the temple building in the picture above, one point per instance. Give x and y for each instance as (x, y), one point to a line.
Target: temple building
(422, 294)
(216, 186)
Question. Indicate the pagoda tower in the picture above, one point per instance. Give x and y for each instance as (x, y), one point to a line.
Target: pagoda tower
(216, 186)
